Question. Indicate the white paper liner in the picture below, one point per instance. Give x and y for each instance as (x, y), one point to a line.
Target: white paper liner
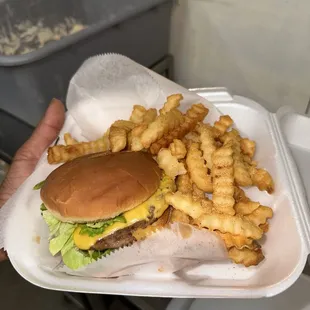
(166, 251)
(103, 90)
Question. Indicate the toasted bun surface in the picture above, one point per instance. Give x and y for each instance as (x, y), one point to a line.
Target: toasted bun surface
(100, 186)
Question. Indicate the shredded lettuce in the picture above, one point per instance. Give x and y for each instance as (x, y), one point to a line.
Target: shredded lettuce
(52, 223)
(42, 207)
(61, 240)
(93, 229)
(39, 185)
(66, 230)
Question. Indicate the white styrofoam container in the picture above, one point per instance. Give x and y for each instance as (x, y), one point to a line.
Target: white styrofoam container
(295, 298)
(286, 246)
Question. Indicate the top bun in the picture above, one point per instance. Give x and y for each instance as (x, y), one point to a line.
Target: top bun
(100, 186)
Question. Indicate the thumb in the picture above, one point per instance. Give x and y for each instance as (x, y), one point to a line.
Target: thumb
(45, 133)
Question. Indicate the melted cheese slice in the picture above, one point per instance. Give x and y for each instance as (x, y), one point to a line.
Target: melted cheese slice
(139, 213)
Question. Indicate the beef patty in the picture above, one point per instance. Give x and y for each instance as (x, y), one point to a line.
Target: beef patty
(123, 236)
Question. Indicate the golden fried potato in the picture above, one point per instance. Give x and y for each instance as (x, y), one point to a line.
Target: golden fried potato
(179, 216)
(184, 184)
(262, 179)
(245, 256)
(254, 212)
(193, 136)
(223, 124)
(134, 138)
(246, 207)
(161, 126)
(233, 224)
(118, 134)
(196, 113)
(260, 216)
(197, 170)
(236, 241)
(178, 149)
(239, 195)
(61, 153)
(118, 139)
(223, 180)
(137, 114)
(149, 116)
(198, 194)
(208, 145)
(173, 102)
(241, 172)
(207, 205)
(69, 140)
(170, 164)
(185, 203)
(264, 227)
(248, 147)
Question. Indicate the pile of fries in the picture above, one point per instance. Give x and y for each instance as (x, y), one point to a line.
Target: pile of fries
(209, 163)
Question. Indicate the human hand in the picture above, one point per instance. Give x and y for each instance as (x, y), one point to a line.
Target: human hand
(28, 155)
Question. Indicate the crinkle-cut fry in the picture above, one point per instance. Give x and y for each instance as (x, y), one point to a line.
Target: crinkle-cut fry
(198, 194)
(184, 184)
(150, 116)
(245, 256)
(173, 102)
(178, 149)
(264, 227)
(61, 153)
(170, 163)
(231, 135)
(208, 145)
(246, 207)
(233, 224)
(237, 241)
(179, 216)
(207, 205)
(69, 140)
(241, 172)
(137, 114)
(196, 113)
(223, 124)
(161, 126)
(140, 115)
(117, 138)
(134, 138)
(260, 215)
(118, 134)
(127, 125)
(197, 170)
(239, 195)
(223, 180)
(247, 160)
(193, 136)
(254, 212)
(185, 203)
(261, 179)
(248, 147)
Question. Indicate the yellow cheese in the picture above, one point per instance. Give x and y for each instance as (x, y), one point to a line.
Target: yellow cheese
(139, 213)
(143, 233)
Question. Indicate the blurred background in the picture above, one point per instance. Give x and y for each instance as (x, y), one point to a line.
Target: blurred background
(257, 49)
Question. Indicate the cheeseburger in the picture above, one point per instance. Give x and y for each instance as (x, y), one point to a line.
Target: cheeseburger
(97, 203)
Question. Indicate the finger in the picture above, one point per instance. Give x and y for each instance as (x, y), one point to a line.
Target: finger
(45, 133)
